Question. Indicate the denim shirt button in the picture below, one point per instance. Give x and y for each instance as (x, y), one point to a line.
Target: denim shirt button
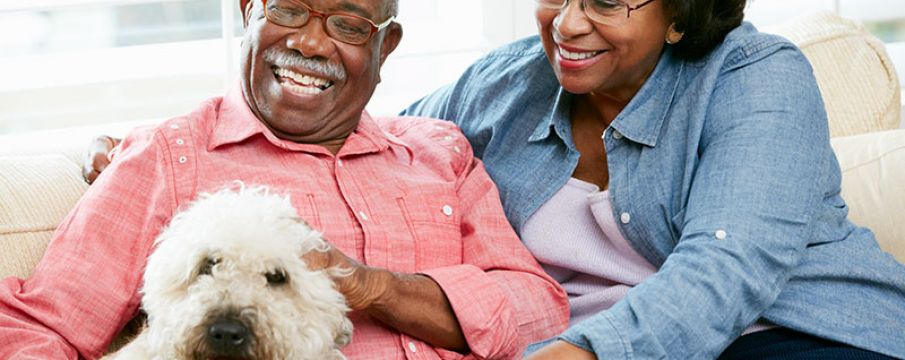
(617, 135)
(625, 218)
(720, 235)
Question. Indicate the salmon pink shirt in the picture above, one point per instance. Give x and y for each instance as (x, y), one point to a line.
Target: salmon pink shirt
(404, 194)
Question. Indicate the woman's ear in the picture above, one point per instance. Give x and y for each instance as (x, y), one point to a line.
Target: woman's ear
(673, 36)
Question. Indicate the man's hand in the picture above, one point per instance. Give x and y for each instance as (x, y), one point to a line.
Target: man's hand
(411, 303)
(362, 286)
(561, 350)
(98, 157)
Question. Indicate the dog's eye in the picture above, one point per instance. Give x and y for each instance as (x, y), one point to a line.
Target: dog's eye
(275, 278)
(207, 265)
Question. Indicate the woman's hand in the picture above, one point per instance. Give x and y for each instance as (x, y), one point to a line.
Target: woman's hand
(561, 350)
(98, 157)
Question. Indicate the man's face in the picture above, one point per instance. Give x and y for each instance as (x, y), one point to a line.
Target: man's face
(306, 86)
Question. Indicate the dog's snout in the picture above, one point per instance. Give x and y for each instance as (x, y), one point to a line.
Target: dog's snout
(228, 336)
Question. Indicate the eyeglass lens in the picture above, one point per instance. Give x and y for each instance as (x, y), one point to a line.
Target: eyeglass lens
(610, 12)
(346, 28)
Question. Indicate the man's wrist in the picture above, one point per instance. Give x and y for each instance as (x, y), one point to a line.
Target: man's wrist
(367, 287)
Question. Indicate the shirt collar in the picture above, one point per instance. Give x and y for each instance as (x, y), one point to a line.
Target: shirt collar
(557, 119)
(237, 123)
(642, 118)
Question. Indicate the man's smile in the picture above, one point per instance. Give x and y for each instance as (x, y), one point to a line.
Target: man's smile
(300, 83)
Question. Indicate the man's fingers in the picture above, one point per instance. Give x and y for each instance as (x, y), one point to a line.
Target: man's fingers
(97, 158)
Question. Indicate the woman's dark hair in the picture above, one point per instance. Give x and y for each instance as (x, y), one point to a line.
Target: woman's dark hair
(704, 22)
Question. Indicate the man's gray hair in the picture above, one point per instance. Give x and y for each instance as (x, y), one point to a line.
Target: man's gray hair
(392, 8)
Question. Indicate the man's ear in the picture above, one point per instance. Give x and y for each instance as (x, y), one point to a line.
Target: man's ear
(390, 41)
(246, 13)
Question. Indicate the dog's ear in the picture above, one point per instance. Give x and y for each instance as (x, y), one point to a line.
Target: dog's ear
(172, 267)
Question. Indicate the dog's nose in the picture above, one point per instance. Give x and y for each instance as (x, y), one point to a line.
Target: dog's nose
(228, 336)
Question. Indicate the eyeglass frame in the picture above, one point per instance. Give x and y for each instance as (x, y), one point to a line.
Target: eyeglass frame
(628, 13)
(375, 28)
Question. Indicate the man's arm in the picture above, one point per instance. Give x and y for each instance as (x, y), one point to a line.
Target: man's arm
(85, 288)
(493, 305)
(411, 303)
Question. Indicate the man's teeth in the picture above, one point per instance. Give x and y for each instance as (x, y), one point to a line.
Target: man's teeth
(568, 55)
(309, 84)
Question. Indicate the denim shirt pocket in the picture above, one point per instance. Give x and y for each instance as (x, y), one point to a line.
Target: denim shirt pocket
(433, 218)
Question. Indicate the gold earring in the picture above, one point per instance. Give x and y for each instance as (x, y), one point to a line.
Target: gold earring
(673, 36)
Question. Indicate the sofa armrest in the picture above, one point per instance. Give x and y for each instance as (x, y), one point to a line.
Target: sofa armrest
(873, 184)
(37, 192)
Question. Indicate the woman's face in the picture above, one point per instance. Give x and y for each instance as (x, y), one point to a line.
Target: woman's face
(590, 57)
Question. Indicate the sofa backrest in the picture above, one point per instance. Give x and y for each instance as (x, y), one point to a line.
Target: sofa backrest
(857, 80)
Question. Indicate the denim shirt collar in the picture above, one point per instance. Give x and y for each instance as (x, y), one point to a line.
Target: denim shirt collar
(557, 119)
(642, 118)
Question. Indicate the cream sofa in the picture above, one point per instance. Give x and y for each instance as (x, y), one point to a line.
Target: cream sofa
(41, 181)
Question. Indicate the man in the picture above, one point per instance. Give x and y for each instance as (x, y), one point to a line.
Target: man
(438, 271)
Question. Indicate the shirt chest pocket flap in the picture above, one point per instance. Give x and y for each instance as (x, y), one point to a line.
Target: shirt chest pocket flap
(433, 219)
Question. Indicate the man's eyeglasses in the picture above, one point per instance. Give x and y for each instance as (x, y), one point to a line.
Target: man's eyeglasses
(346, 28)
(606, 12)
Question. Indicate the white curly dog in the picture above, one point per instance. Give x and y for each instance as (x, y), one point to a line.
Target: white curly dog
(227, 282)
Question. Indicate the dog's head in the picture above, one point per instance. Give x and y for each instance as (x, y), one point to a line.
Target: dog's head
(227, 281)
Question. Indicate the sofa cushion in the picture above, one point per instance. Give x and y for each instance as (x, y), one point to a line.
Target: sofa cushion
(37, 192)
(873, 184)
(855, 75)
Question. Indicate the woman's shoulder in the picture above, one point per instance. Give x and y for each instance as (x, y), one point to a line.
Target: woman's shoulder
(521, 60)
(746, 44)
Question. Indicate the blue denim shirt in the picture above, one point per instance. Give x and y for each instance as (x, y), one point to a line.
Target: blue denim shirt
(721, 174)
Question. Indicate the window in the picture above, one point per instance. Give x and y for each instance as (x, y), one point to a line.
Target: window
(76, 62)
(81, 62)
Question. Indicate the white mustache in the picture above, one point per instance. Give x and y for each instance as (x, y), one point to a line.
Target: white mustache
(290, 59)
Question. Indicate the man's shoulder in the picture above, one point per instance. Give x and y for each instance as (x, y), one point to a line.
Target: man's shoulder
(427, 136)
(183, 130)
(408, 128)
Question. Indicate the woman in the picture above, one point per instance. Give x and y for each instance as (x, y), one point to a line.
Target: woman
(671, 167)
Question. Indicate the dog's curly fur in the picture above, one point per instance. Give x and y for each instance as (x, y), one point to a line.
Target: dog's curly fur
(237, 255)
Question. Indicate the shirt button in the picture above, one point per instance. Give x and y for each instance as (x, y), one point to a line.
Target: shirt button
(720, 234)
(412, 347)
(457, 149)
(179, 142)
(447, 138)
(625, 218)
(339, 162)
(617, 135)
(183, 159)
(447, 210)
(363, 215)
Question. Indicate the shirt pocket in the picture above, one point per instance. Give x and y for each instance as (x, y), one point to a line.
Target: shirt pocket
(306, 206)
(431, 214)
